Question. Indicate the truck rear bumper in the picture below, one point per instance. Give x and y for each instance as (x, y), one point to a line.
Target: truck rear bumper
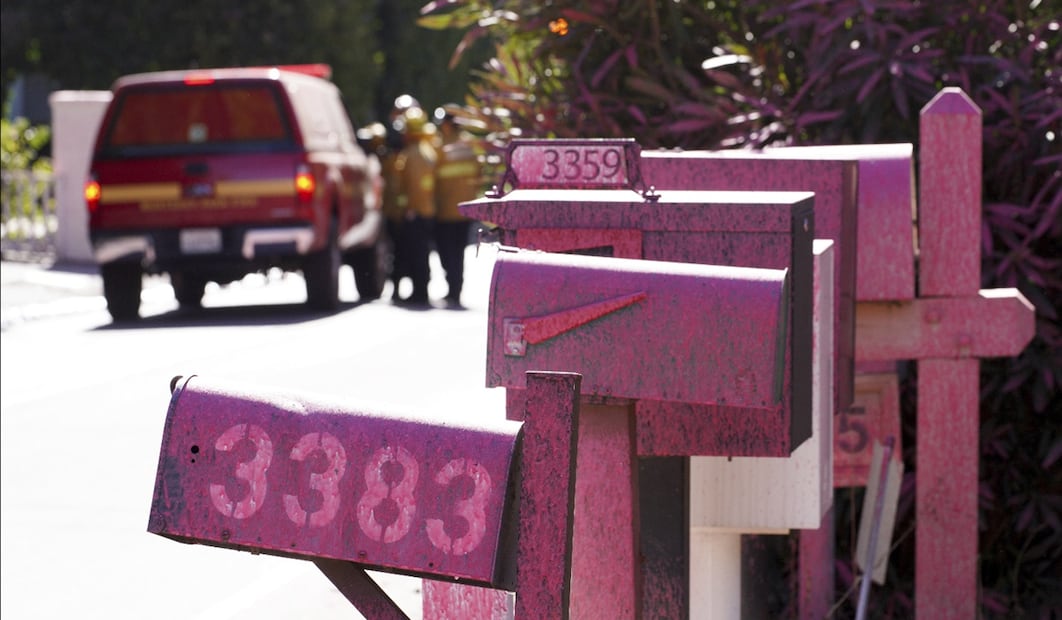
(124, 247)
(299, 237)
(238, 244)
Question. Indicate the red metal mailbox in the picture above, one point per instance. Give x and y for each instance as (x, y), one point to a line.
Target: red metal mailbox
(767, 230)
(832, 176)
(646, 331)
(354, 488)
(280, 473)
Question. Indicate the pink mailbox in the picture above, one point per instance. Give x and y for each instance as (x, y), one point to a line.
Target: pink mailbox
(832, 176)
(767, 230)
(651, 331)
(348, 488)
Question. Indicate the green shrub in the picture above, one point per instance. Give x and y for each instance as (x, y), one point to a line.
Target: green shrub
(26, 185)
(22, 145)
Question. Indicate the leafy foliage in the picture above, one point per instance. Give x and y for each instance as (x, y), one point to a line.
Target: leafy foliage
(416, 60)
(22, 146)
(746, 74)
(24, 189)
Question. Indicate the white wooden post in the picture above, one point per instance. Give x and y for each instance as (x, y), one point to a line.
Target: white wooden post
(751, 495)
(76, 117)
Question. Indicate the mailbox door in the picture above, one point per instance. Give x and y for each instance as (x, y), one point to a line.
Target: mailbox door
(640, 329)
(790, 247)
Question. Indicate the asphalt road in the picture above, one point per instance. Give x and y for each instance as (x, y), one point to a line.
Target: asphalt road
(83, 407)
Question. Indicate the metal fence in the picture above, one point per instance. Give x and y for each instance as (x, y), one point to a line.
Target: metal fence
(28, 222)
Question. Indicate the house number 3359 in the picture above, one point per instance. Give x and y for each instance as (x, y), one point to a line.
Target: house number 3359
(582, 164)
(254, 472)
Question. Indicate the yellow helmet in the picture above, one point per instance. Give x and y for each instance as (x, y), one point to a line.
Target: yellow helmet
(373, 134)
(404, 102)
(416, 122)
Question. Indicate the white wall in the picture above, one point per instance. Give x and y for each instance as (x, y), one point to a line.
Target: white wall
(76, 115)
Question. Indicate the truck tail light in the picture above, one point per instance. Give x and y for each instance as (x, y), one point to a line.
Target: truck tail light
(198, 79)
(305, 184)
(92, 194)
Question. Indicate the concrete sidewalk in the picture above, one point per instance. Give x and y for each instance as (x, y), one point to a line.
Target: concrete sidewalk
(32, 290)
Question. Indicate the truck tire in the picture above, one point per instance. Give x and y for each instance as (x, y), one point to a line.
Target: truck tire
(122, 283)
(321, 271)
(371, 267)
(188, 289)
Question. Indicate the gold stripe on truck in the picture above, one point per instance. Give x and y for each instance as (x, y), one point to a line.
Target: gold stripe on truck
(168, 195)
(139, 192)
(258, 187)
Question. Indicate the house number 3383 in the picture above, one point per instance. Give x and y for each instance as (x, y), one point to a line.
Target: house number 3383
(254, 472)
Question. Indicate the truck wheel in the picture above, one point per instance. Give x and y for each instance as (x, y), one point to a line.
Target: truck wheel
(321, 271)
(188, 289)
(371, 267)
(122, 283)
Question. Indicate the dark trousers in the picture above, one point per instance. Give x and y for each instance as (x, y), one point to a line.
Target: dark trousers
(399, 269)
(417, 233)
(450, 240)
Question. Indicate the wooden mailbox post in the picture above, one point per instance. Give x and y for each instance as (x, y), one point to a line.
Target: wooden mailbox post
(947, 323)
(350, 489)
(951, 324)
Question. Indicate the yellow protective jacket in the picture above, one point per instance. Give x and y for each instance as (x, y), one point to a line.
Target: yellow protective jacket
(457, 179)
(417, 164)
(392, 182)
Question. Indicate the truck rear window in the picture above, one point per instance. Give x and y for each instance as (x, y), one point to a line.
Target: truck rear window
(218, 118)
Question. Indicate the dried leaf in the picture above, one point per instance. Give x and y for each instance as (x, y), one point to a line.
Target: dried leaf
(859, 61)
(649, 87)
(1053, 455)
(724, 79)
(637, 113)
(870, 84)
(813, 118)
(606, 66)
(899, 97)
(688, 125)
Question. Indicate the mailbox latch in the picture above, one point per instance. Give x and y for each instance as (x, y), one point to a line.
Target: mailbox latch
(515, 345)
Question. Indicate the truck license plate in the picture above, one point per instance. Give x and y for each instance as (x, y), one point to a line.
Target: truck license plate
(201, 241)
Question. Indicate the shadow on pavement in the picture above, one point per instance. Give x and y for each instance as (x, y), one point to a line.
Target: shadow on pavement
(232, 316)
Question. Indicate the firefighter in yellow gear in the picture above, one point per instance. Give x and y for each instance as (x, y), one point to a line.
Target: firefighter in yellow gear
(376, 141)
(416, 172)
(457, 180)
